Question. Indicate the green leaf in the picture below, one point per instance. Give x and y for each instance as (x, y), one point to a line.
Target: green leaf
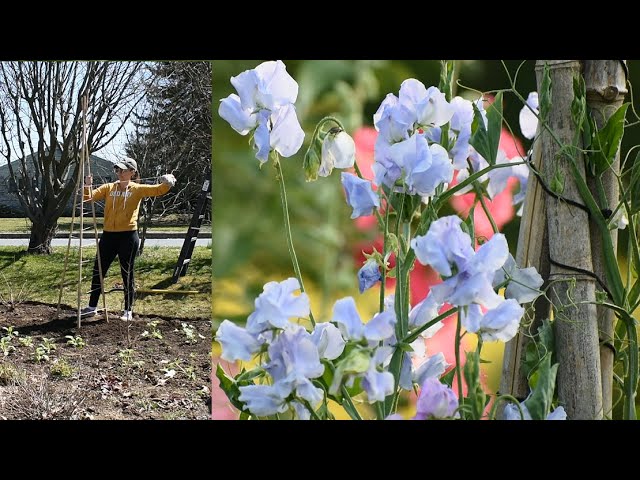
(405, 205)
(486, 140)
(229, 387)
(635, 292)
(447, 378)
(541, 347)
(357, 361)
(634, 185)
(607, 141)
(544, 97)
(557, 183)
(539, 402)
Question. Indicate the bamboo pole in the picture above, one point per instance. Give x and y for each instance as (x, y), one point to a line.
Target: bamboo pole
(605, 82)
(533, 251)
(572, 293)
(85, 149)
(66, 256)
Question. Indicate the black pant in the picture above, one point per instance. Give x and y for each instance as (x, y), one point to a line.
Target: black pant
(125, 246)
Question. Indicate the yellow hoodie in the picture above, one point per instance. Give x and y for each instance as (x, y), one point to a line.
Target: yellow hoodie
(121, 207)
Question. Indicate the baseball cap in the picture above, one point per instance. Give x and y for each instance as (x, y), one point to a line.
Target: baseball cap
(127, 163)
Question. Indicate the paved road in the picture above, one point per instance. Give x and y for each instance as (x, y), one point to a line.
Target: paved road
(62, 242)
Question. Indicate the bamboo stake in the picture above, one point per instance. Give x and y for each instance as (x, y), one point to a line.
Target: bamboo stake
(533, 251)
(605, 82)
(66, 256)
(572, 293)
(85, 106)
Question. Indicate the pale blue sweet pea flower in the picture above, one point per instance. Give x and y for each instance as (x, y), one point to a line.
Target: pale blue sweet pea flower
(528, 120)
(264, 105)
(394, 416)
(436, 400)
(268, 86)
(424, 312)
(302, 413)
(557, 414)
(287, 135)
(346, 315)
(276, 304)
(434, 110)
(236, 342)
(473, 282)
(521, 172)
(264, 400)
(293, 356)
(433, 367)
(511, 412)
(498, 324)
(380, 327)
(377, 382)
(498, 177)
(294, 360)
(393, 120)
(327, 338)
(369, 275)
(360, 195)
(477, 163)
(444, 244)
(525, 283)
(385, 170)
(241, 120)
(460, 124)
(350, 324)
(425, 166)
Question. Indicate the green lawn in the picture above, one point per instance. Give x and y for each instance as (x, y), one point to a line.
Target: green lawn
(37, 278)
(168, 223)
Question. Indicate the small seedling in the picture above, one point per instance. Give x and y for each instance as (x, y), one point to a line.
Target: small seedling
(153, 331)
(190, 332)
(61, 368)
(76, 342)
(26, 341)
(5, 345)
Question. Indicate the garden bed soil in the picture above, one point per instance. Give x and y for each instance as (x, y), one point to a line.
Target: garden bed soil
(120, 373)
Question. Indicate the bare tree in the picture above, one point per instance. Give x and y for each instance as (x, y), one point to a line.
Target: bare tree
(173, 133)
(41, 129)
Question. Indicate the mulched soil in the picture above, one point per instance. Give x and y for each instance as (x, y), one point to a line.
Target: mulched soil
(121, 373)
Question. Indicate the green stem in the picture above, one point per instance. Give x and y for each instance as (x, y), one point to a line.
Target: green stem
(385, 245)
(347, 404)
(457, 352)
(486, 209)
(287, 229)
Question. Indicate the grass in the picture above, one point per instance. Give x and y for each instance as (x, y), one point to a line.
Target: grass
(37, 278)
(168, 223)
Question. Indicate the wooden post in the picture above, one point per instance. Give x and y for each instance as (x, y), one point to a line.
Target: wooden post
(605, 82)
(572, 293)
(533, 251)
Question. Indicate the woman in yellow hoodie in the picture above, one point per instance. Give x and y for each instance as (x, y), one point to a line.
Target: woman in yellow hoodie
(120, 233)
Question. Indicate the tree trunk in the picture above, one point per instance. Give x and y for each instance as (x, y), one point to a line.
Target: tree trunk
(572, 293)
(606, 88)
(533, 251)
(41, 235)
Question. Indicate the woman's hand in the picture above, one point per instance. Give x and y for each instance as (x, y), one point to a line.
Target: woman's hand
(168, 178)
(88, 180)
